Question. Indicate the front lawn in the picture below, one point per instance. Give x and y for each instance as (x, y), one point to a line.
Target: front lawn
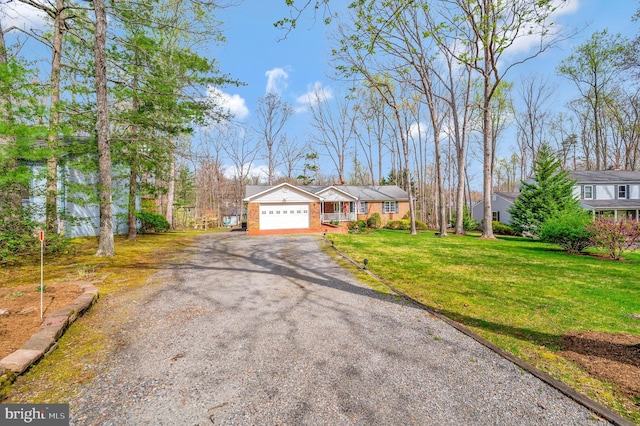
(520, 294)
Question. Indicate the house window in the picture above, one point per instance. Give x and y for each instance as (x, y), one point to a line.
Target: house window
(587, 192)
(623, 191)
(336, 207)
(389, 207)
(362, 207)
(495, 216)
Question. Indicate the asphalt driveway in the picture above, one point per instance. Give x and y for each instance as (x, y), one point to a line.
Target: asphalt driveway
(270, 330)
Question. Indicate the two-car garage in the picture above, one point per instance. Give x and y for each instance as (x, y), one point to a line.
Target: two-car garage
(282, 207)
(284, 216)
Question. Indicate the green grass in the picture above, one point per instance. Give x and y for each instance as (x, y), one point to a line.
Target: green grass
(521, 294)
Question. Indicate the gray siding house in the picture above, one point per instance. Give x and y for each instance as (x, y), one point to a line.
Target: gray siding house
(615, 193)
(78, 212)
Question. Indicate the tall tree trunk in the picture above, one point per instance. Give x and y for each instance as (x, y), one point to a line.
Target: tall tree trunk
(3, 47)
(131, 214)
(105, 244)
(487, 170)
(171, 191)
(51, 205)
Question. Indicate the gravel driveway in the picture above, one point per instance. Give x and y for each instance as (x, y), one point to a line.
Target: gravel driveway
(270, 330)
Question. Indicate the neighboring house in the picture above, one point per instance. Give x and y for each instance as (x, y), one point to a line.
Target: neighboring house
(78, 211)
(290, 207)
(501, 202)
(604, 192)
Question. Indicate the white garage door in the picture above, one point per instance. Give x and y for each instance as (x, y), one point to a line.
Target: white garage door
(284, 216)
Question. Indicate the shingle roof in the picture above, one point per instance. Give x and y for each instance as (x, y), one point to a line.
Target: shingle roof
(509, 196)
(364, 193)
(612, 204)
(606, 176)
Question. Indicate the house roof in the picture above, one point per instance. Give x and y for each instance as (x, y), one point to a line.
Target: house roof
(509, 196)
(364, 193)
(611, 204)
(605, 176)
(369, 192)
(253, 191)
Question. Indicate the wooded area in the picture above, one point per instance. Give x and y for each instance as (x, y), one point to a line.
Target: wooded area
(130, 94)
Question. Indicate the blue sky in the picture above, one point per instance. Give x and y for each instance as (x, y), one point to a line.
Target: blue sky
(296, 66)
(299, 64)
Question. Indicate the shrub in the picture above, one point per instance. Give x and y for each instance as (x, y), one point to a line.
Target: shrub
(375, 221)
(502, 229)
(357, 224)
(152, 222)
(421, 226)
(398, 224)
(405, 225)
(569, 230)
(615, 237)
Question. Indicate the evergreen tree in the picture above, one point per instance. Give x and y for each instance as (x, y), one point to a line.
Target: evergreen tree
(548, 194)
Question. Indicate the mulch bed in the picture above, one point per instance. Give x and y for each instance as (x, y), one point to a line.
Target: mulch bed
(20, 311)
(612, 357)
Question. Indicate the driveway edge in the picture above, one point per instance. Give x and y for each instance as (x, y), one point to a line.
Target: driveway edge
(581, 399)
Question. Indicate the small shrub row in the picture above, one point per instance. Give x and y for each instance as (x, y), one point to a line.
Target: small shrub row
(405, 224)
(500, 228)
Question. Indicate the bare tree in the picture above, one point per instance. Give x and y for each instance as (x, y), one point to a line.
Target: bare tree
(535, 92)
(334, 128)
(292, 155)
(594, 68)
(272, 114)
(242, 152)
(489, 29)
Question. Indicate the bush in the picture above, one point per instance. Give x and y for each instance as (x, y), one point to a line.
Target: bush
(398, 224)
(375, 221)
(357, 224)
(569, 230)
(615, 237)
(405, 225)
(421, 226)
(152, 222)
(502, 229)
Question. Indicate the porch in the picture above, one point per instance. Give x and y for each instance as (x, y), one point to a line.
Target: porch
(337, 211)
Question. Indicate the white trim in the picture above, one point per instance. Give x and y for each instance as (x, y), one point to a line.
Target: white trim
(284, 184)
(353, 197)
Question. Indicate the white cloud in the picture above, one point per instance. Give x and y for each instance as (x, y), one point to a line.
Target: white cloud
(527, 42)
(315, 93)
(417, 129)
(233, 104)
(276, 80)
(17, 14)
(258, 171)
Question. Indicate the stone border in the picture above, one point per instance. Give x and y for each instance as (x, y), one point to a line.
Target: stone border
(44, 342)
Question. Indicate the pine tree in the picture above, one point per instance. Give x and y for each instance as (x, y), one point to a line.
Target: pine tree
(548, 194)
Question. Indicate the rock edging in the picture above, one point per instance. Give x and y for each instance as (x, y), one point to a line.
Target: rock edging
(45, 341)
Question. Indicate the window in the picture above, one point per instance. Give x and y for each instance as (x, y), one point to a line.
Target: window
(623, 191)
(389, 207)
(264, 212)
(587, 192)
(495, 216)
(362, 207)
